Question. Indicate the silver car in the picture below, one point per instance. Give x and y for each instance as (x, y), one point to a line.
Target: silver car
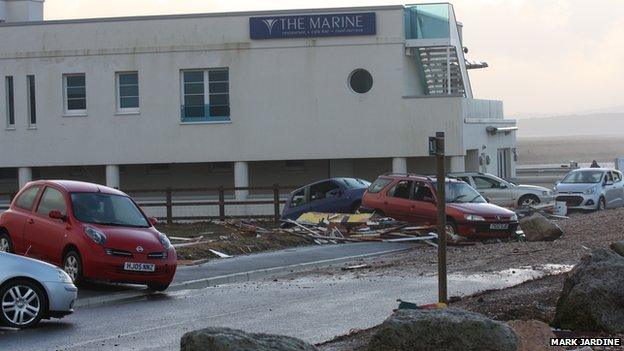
(591, 189)
(32, 290)
(503, 193)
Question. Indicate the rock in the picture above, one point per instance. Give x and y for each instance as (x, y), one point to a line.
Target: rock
(618, 247)
(539, 228)
(592, 294)
(442, 329)
(533, 335)
(226, 339)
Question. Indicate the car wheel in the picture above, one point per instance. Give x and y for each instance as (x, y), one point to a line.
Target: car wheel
(451, 227)
(157, 286)
(5, 243)
(528, 200)
(602, 204)
(72, 265)
(23, 304)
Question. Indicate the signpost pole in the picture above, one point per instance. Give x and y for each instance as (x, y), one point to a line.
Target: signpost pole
(441, 182)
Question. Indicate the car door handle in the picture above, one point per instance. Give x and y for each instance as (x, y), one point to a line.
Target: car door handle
(30, 221)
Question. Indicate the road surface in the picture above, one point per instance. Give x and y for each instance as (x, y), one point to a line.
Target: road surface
(314, 308)
(306, 255)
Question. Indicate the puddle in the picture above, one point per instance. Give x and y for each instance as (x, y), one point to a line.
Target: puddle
(512, 276)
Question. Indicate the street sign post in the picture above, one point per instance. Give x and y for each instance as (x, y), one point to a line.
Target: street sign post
(436, 147)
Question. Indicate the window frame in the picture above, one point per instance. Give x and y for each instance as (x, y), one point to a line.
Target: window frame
(42, 197)
(306, 197)
(491, 180)
(35, 200)
(66, 111)
(410, 190)
(206, 81)
(126, 110)
(9, 96)
(31, 101)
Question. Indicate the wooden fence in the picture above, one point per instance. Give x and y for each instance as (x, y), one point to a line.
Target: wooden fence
(168, 202)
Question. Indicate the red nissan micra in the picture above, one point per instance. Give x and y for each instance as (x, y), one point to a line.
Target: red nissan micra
(91, 231)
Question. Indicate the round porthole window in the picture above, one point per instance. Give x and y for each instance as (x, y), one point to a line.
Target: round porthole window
(360, 81)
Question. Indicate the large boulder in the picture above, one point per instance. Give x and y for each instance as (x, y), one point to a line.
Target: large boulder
(226, 339)
(593, 294)
(442, 329)
(539, 228)
(533, 335)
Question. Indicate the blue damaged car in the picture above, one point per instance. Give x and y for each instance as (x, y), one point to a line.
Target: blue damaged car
(591, 189)
(335, 195)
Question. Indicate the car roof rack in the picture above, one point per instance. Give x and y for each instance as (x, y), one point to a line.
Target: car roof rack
(407, 175)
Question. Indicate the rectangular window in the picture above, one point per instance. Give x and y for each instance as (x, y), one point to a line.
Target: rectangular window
(205, 95)
(10, 101)
(32, 104)
(127, 91)
(75, 100)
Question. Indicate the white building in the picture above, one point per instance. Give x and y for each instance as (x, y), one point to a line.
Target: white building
(240, 99)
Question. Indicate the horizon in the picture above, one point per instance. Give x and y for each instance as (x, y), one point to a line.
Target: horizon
(570, 34)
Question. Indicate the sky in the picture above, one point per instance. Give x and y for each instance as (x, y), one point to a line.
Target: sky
(546, 57)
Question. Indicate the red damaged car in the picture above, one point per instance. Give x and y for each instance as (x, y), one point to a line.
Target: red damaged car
(91, 231)
(412, 198)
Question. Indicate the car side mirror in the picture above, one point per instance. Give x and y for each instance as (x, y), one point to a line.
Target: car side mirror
(503, 186)
(153, 220)
(56, 214)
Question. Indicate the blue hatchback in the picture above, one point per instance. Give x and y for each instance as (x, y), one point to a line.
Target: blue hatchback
(339, 195)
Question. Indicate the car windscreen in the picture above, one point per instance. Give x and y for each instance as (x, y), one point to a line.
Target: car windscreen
(460, 192)
(107, 209)
(355, 183)
(583, 177)
(378, 185)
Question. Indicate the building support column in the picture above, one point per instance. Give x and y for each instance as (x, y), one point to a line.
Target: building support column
(24, 175)
(458, 164)
(112, 176)
(241, 179)
(399, 165)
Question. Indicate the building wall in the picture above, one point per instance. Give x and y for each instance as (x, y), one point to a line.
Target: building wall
(290, 98)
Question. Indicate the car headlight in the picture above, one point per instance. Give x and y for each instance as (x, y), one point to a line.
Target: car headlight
(514, 217)
(590, 191)
(472, 217)
(164, 240)
(97, 236)
(63, 277)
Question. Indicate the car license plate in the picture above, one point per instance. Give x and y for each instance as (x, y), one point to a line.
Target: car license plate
(499, 226)
(139, 267)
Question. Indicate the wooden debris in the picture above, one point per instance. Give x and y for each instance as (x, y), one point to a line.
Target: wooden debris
(219, 254)
(358, 266)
